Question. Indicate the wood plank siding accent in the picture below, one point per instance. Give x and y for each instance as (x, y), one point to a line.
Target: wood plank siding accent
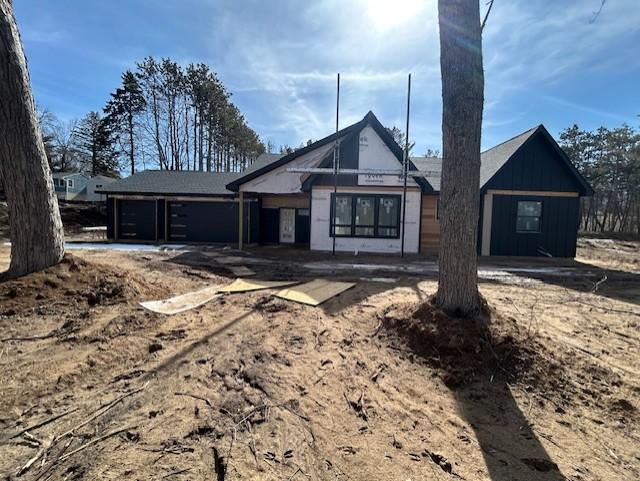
(276, 201)
(430, 226)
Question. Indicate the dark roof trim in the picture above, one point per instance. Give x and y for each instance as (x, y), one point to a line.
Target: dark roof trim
(328, 160)
(387, 138)
(370, 118)
(586, 189)
(235, 185)
(231, 195)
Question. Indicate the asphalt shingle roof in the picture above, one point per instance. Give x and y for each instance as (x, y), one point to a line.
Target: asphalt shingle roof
(214, 183)
(262, 161)
(490, 160)
(173, 182)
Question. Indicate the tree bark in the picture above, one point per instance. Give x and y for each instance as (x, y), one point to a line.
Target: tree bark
(37, 237)
(463, 100)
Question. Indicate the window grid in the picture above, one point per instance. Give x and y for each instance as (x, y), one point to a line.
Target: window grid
(380, 230)
(529, 217)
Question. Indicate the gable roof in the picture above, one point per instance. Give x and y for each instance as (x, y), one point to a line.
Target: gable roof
(172, 182)
(432, 168)
(492, 160)
(495, 158)
(263, 160)
(341, 135)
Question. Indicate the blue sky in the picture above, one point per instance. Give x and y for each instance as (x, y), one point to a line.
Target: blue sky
(545, 62)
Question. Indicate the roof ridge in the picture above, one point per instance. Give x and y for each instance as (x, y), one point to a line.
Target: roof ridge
(512, 138)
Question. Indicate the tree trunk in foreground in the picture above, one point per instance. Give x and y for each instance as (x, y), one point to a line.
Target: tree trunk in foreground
(462, 98)
(37, 238)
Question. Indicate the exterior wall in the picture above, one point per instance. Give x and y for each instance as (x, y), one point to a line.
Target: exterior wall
(430, 230)
(274, 201)
(558, 231)
(77, 192)
(92, 185)
(374, 154)
(279, 181)
(320, 223)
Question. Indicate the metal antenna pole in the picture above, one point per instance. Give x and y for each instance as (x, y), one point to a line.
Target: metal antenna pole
(336, 161)
(405, 168)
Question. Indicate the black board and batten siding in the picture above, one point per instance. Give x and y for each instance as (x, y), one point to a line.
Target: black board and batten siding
(536, 166)
(558, 227)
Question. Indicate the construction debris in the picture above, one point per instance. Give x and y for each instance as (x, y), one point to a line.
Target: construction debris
(241, 285)
(183, 302)
(315, 292)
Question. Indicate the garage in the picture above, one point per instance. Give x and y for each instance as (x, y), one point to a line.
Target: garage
(178, 207)
(137, 220)
(189, 221)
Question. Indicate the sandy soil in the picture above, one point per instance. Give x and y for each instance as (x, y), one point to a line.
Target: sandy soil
(360, 388)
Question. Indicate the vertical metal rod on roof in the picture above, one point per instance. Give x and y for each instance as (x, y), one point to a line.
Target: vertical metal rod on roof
(336, 161)
(405, 168)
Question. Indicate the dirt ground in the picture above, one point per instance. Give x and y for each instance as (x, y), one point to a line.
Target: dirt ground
(365, 387)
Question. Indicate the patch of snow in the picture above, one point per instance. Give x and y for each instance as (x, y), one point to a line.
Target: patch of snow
(114, 246)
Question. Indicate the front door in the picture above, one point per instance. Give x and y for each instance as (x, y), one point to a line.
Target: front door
(287, 226)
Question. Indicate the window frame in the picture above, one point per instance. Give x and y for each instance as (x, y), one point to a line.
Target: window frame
(376, 216)
(539, 217)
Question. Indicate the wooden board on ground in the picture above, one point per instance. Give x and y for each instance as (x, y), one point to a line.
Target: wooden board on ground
(241, 271)
(314, 292)
(242, 285)
(183, 302)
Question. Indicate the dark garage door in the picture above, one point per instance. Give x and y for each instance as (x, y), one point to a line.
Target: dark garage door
(202, 222)
(137, 220)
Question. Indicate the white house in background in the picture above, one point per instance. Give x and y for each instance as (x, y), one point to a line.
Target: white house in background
(95, 184)
(80, 187)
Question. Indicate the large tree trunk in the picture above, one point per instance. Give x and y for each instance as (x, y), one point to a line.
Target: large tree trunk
(463, 99)
(37, 238)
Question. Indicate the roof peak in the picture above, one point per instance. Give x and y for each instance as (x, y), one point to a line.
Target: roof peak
(530, 131)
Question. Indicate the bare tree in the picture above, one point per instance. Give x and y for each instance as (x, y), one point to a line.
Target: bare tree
(463, 100)
(37, 237)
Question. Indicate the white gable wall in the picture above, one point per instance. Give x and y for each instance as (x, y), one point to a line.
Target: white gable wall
(374, 154)
(279, 181)
(320, 224)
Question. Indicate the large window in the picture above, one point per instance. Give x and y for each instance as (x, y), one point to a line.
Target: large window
(365, 215)
(529, 216)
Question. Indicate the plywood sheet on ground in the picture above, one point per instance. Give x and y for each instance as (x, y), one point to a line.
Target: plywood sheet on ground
(314, 292)
(243, 285)
(183, 302)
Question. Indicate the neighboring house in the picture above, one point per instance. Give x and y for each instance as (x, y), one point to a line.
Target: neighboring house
(97, 183)
(530, 196)
(70, 185)
(77, 186)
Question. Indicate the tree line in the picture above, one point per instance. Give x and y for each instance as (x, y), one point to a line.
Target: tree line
(610, 161)
(162, 116)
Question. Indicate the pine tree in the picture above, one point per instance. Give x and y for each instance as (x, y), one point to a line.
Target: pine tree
(95, 140)
(121, 112)
(462, 105)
